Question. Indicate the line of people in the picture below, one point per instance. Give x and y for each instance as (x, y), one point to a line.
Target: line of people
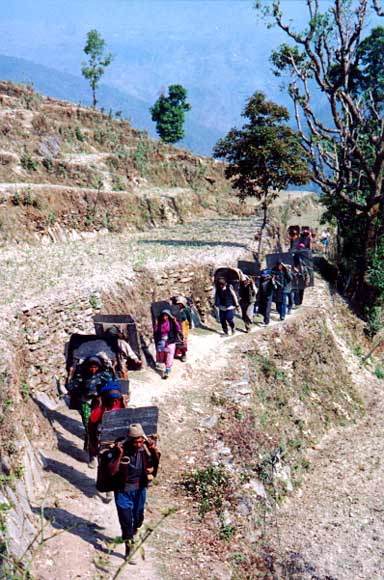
(93, 388)
(282, 285)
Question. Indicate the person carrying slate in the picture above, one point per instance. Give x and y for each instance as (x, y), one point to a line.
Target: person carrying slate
(136, 464)
(84, 387)
(227, 303)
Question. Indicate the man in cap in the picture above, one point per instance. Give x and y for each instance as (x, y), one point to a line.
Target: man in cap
(136, 463)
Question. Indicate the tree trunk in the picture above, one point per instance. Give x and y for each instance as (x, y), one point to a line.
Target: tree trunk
(263, 224)
(94, 100)
(364, 295)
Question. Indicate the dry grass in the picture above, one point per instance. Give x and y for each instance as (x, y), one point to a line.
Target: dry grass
(301, 387)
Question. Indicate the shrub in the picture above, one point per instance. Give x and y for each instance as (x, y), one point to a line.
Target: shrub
(79, 134)
(209, 486)
(27, 162)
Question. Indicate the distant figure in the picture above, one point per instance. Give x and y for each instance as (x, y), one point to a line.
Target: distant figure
(303, 279)
(283, 280)
(265, 296)
(247, 294)
(137, 463)
(292, 302)
(85, 386)
(166, 331)
(325, 240)
(227, 303)
(186, 325)
(305, 241)
(125, 352)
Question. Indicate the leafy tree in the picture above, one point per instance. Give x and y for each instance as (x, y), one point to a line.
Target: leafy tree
(330, 60)
(94, 69)
(264, 156)
(169, 114)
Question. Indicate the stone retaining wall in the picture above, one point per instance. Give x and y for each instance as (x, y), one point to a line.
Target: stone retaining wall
(47, 328)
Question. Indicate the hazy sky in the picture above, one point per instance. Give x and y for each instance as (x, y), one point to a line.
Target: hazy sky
(218, 49)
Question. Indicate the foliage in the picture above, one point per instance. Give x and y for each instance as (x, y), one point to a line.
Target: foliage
(140, 156)
(94, 69)
(169, 114)
(208, 486)
(265, 155)
(330, 61)
(27, 162)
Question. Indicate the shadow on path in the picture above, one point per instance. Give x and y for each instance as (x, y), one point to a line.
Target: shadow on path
(61, 519)
(79, 480)
(193, 243)
(69, 448)
(68, 423)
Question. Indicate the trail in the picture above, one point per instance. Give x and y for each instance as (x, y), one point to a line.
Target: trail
(72, 499)
(333, 524)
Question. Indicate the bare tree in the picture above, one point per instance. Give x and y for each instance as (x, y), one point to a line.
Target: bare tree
(346, 145)
(379, 9)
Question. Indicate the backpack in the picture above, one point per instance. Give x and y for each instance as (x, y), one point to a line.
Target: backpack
(105, 481)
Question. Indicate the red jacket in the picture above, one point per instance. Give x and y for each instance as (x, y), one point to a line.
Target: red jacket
(98, 410)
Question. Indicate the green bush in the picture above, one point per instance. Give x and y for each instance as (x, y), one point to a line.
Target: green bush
(375, 319)
(27, 162)
(209, 486)
(79, 134)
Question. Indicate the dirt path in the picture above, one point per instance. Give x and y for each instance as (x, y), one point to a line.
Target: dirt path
(333, 524)
(72, 499)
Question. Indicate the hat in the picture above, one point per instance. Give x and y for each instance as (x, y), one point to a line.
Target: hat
(166, 311)
(135, 430)
(111, 390)
(93, 359)
(181, 300)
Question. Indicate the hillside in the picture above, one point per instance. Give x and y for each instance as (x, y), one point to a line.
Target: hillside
(60, 85)
(63, 164)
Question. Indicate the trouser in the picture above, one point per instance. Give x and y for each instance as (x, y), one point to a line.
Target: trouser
(281, 307)
(130, 510)
(85, 412)
(265, 307)
(226, 317)
(167, 355)
(291, 299)
(247, 313)
(299, 297)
